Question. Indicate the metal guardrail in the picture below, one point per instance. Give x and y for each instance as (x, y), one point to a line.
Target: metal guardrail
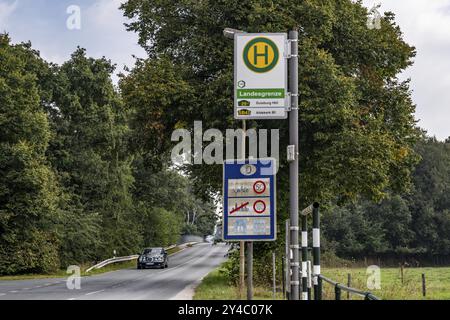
(339, 287)
(132, 257)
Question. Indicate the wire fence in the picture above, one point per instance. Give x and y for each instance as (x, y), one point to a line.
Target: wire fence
(338, 288)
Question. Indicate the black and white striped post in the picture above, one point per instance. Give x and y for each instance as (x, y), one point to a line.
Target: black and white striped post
(304, 257)
(304, 213)
(316, 252)
(314, 210)
(309, 279)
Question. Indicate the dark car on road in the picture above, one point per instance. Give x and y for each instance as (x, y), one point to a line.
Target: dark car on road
(153, 257)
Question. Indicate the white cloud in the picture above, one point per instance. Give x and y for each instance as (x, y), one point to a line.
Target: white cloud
(105, 23)
(6, 9)
(426, 25)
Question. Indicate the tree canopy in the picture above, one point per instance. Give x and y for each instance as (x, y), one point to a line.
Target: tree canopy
(74, 183)
(356, 119)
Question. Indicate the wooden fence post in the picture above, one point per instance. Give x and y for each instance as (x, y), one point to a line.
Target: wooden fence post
(401, 272)
(424, 287)
(349, 284)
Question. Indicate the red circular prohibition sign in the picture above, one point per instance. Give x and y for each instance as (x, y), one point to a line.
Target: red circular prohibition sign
(259, 182)
(263, 207)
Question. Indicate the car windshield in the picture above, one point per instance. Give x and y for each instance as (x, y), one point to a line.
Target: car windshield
(153, 251)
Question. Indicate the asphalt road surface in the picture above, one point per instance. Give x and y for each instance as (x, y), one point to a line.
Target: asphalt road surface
(186, 269)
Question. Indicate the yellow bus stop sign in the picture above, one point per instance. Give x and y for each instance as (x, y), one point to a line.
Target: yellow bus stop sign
(261, 55)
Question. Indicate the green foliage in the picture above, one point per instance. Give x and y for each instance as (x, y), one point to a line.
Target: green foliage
(357, 129)
(28, 187)
(90, 154)
(411, 224)
(356, 121)
(161, 227)
(430, 202)
(74, 185)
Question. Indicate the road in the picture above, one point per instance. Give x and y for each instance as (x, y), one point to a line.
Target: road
(186, 269)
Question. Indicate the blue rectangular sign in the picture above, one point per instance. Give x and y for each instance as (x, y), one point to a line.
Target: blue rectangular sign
(249, 203)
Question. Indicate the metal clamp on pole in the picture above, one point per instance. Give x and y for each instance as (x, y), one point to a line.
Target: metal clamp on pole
(291, 154)
(289, 53)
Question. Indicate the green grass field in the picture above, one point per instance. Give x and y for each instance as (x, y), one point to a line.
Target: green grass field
(215, 286)
(437, 283)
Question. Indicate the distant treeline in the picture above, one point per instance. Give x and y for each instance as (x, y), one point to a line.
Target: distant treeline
(75, 182)
(413, 227)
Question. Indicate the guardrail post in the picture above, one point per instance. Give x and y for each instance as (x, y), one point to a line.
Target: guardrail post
(319, 289)
(337, 292)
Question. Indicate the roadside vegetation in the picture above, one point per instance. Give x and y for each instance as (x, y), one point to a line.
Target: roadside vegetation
(76, 182)
(86, 165)
(64, 274)
(217, 285)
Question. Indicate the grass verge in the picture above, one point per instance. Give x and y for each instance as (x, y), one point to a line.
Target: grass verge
(215, 286)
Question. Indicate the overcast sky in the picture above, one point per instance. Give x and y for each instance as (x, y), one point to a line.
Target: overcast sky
(425, 23)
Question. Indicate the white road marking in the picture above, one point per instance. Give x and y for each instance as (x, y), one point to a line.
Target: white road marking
(180, 265)
(13, 291)
(26, 289)
(2, 294)
(71, 299)
(88, 294)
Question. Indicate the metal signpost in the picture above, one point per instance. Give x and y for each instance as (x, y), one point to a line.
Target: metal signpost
(261, 92)
(293, 164)
(249, 200)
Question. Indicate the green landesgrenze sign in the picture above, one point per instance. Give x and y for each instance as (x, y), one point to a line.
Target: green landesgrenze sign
(260, 76)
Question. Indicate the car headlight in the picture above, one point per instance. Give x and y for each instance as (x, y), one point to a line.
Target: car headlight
(159, 259)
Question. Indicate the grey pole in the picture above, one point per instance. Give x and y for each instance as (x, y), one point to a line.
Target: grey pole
(249, 265)
(293, 165)
(242, 243)
(249, 256)
(274, 275)
(288, 259)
